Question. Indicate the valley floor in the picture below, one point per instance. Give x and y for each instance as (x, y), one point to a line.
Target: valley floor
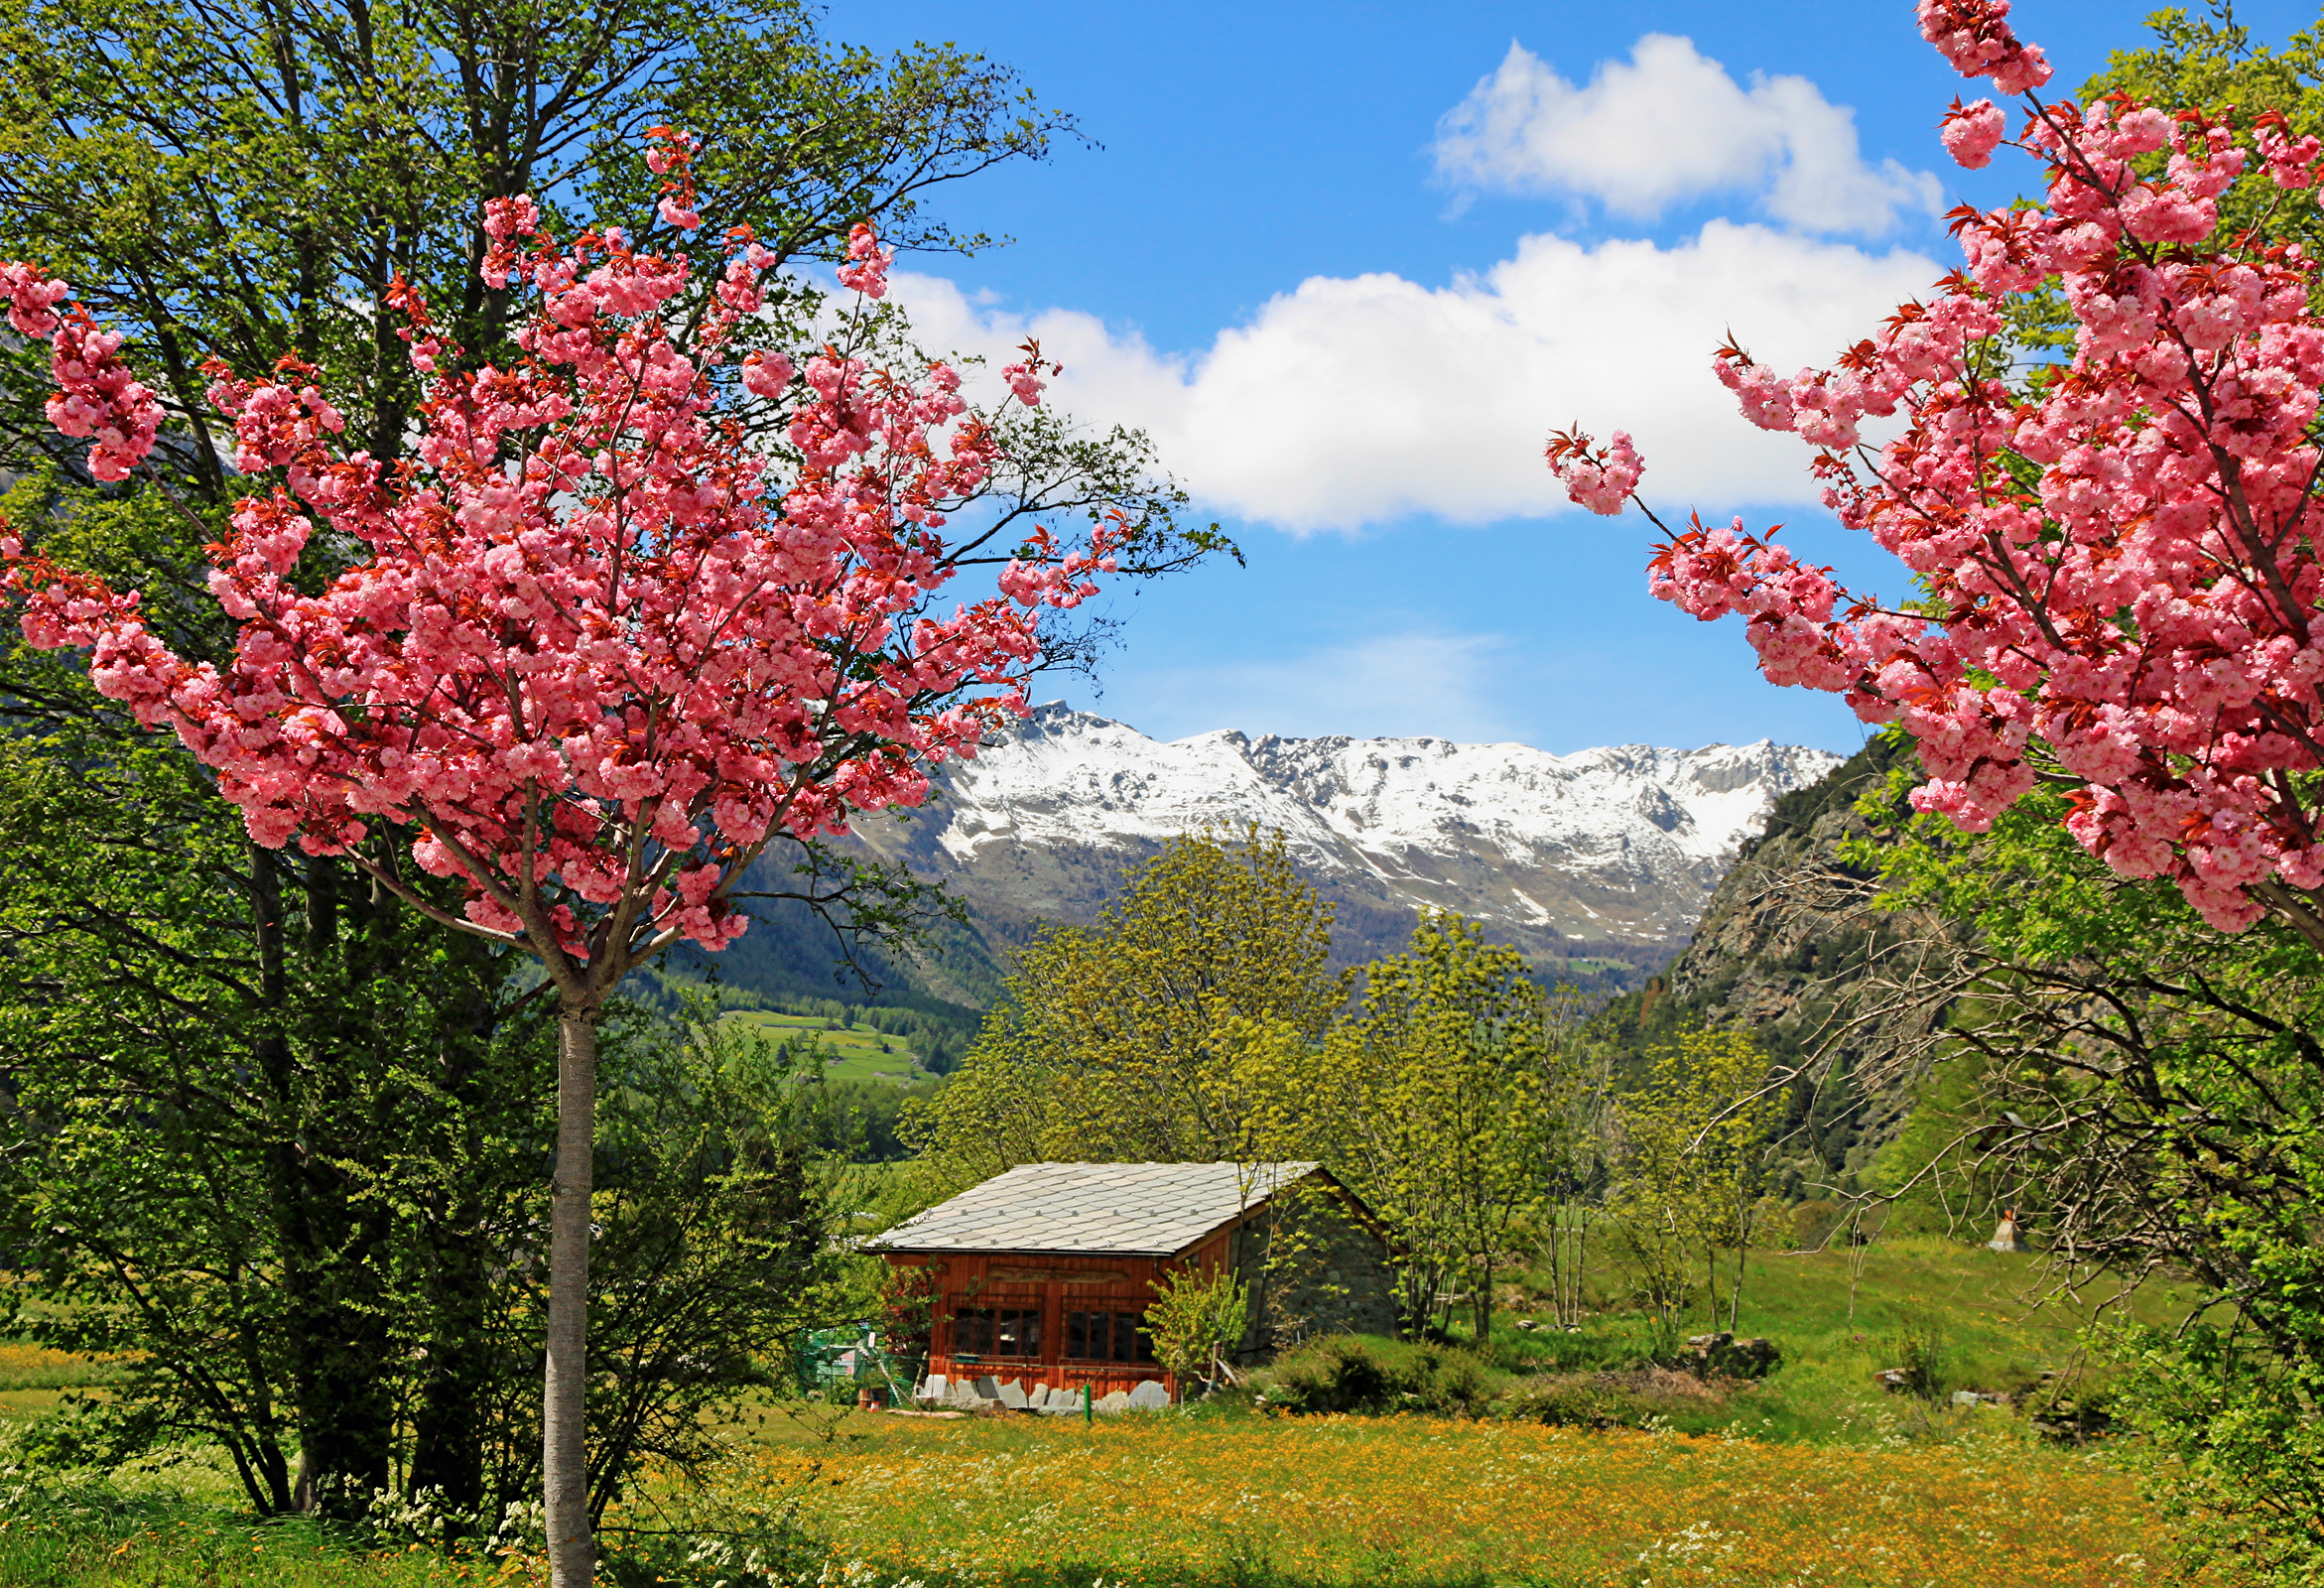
(1248, 1502)
(1811, 1479)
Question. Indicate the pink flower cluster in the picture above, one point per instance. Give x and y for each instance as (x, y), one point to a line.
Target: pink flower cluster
(2118, 556)
(32, 300)
(1975, 36)
(1601, 480)
(1024, 377)
(596, 650)
(97, 395)
(866, 269)
(1972, 133)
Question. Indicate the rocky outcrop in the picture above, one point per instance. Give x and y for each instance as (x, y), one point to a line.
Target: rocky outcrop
(1794, 949)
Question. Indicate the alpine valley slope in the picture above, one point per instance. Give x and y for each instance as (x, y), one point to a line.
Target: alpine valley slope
(1607, 853)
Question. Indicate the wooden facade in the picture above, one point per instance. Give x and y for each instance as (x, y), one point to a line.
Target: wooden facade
(1044, 1274)
(1034, 1318)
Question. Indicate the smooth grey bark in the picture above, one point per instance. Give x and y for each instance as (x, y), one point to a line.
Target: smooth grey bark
(564, 1465)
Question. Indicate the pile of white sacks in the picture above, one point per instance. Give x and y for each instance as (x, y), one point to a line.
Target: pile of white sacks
(987, 1392)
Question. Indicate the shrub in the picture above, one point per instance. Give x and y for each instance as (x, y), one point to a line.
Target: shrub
(1340, 1373)
(1919, 1349)
(1364, 1372)
(1581, 1402)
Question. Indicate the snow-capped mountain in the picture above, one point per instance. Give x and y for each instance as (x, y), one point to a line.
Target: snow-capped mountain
(1615, 846)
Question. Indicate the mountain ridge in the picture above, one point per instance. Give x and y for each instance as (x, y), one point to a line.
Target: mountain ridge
(1602, 859)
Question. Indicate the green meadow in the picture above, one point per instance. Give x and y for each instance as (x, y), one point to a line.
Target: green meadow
(1767, 1465)
(856, 1052)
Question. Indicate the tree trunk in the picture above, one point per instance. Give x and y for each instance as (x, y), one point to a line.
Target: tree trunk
(564, 1468)
(1743, 1247)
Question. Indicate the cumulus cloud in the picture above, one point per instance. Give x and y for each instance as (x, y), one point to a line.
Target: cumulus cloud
(1388, 686)
(1667, 126)
(1351, 401)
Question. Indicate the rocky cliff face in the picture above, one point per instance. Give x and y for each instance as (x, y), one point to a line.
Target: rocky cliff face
(1790, 948)
(1604, 856)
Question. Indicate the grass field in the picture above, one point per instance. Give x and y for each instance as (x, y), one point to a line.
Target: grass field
(1313, 1503)
(33, 1378)
(1981, 1319)
(1363, 1500)
(1814, 1478)
(857, 1053)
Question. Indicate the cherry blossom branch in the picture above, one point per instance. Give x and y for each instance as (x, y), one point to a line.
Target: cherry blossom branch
(2136, 619)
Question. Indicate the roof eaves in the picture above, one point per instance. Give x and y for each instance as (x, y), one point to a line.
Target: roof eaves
(1027, 1251)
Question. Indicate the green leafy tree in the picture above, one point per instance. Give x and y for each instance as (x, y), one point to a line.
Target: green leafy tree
(253, 1112)
(1129, 1040)
(1435, 1103)
(1688, 1174)
(1576, 1142)
(243, 181)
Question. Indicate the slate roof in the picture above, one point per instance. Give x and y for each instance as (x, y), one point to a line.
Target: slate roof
(1150, 1210)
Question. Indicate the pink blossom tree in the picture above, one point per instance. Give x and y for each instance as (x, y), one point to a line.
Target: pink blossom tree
(591, 649)
(2117, 552)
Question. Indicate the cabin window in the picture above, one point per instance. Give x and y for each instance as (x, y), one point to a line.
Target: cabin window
(996, 1332)
(1108, 1337)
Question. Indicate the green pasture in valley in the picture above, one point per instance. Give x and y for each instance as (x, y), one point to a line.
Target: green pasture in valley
(856, 1052)
(1816, 1474)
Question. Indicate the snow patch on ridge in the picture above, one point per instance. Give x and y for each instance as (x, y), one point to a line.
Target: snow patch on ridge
(1500, 830)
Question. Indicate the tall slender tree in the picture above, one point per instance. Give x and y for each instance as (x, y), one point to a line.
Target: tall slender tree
(1434, 1105)
(596, 649)
(247, 182)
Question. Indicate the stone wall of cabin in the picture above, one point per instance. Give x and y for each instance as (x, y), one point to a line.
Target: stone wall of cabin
(1329, 1275)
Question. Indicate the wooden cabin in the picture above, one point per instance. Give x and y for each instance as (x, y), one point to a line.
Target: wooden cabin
(1042, 1275)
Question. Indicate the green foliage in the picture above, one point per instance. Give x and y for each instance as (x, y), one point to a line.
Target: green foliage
(1689, 1166)
(1126, 1041)
(711, 1252)
(1196, 1319)
(2232, 1446)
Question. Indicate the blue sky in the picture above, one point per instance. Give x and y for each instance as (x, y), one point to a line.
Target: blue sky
(1350, 262)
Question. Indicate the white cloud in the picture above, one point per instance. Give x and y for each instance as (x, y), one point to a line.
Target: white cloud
(1670, 126)
(1352, 401)
(1407, 684)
